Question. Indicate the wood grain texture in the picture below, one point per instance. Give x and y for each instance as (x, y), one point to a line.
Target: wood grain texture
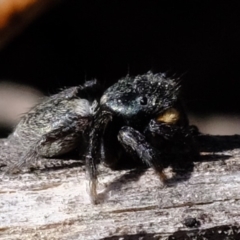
(54, 204)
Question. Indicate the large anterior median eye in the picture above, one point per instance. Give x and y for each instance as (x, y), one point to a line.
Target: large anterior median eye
(170, 116)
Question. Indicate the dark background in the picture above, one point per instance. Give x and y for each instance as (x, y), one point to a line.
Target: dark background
(79, 40)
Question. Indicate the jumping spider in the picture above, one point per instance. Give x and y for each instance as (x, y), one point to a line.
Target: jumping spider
(140, 117)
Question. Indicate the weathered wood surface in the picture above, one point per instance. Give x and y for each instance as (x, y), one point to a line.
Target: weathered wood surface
(54, 204)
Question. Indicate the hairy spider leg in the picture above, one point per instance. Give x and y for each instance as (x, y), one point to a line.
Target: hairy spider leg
(135, 143)
(93, 151)
(43, 146)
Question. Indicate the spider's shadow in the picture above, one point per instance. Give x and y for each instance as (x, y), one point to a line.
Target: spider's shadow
(182, 169)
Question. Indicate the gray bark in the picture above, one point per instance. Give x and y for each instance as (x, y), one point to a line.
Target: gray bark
(199, 201)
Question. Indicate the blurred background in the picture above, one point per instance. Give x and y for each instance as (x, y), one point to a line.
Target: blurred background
(47, 45)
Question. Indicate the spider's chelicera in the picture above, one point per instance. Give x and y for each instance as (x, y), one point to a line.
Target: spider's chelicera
(136, 118)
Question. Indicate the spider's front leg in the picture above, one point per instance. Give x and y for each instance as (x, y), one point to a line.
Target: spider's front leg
(160, 143)
(179, 140)
(135, 143)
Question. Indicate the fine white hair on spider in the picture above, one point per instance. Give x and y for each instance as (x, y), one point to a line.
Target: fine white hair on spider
(138, 119)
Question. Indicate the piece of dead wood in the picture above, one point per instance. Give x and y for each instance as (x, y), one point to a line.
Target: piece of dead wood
(15, 15)
(200, 202)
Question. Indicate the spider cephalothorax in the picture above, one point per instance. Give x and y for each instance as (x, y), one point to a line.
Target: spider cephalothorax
(140, 117)
(140, 98)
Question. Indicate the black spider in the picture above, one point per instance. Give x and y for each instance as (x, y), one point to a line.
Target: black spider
(140, 117)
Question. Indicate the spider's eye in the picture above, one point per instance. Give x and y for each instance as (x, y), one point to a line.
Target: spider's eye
(143, 101)
(170, 116)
